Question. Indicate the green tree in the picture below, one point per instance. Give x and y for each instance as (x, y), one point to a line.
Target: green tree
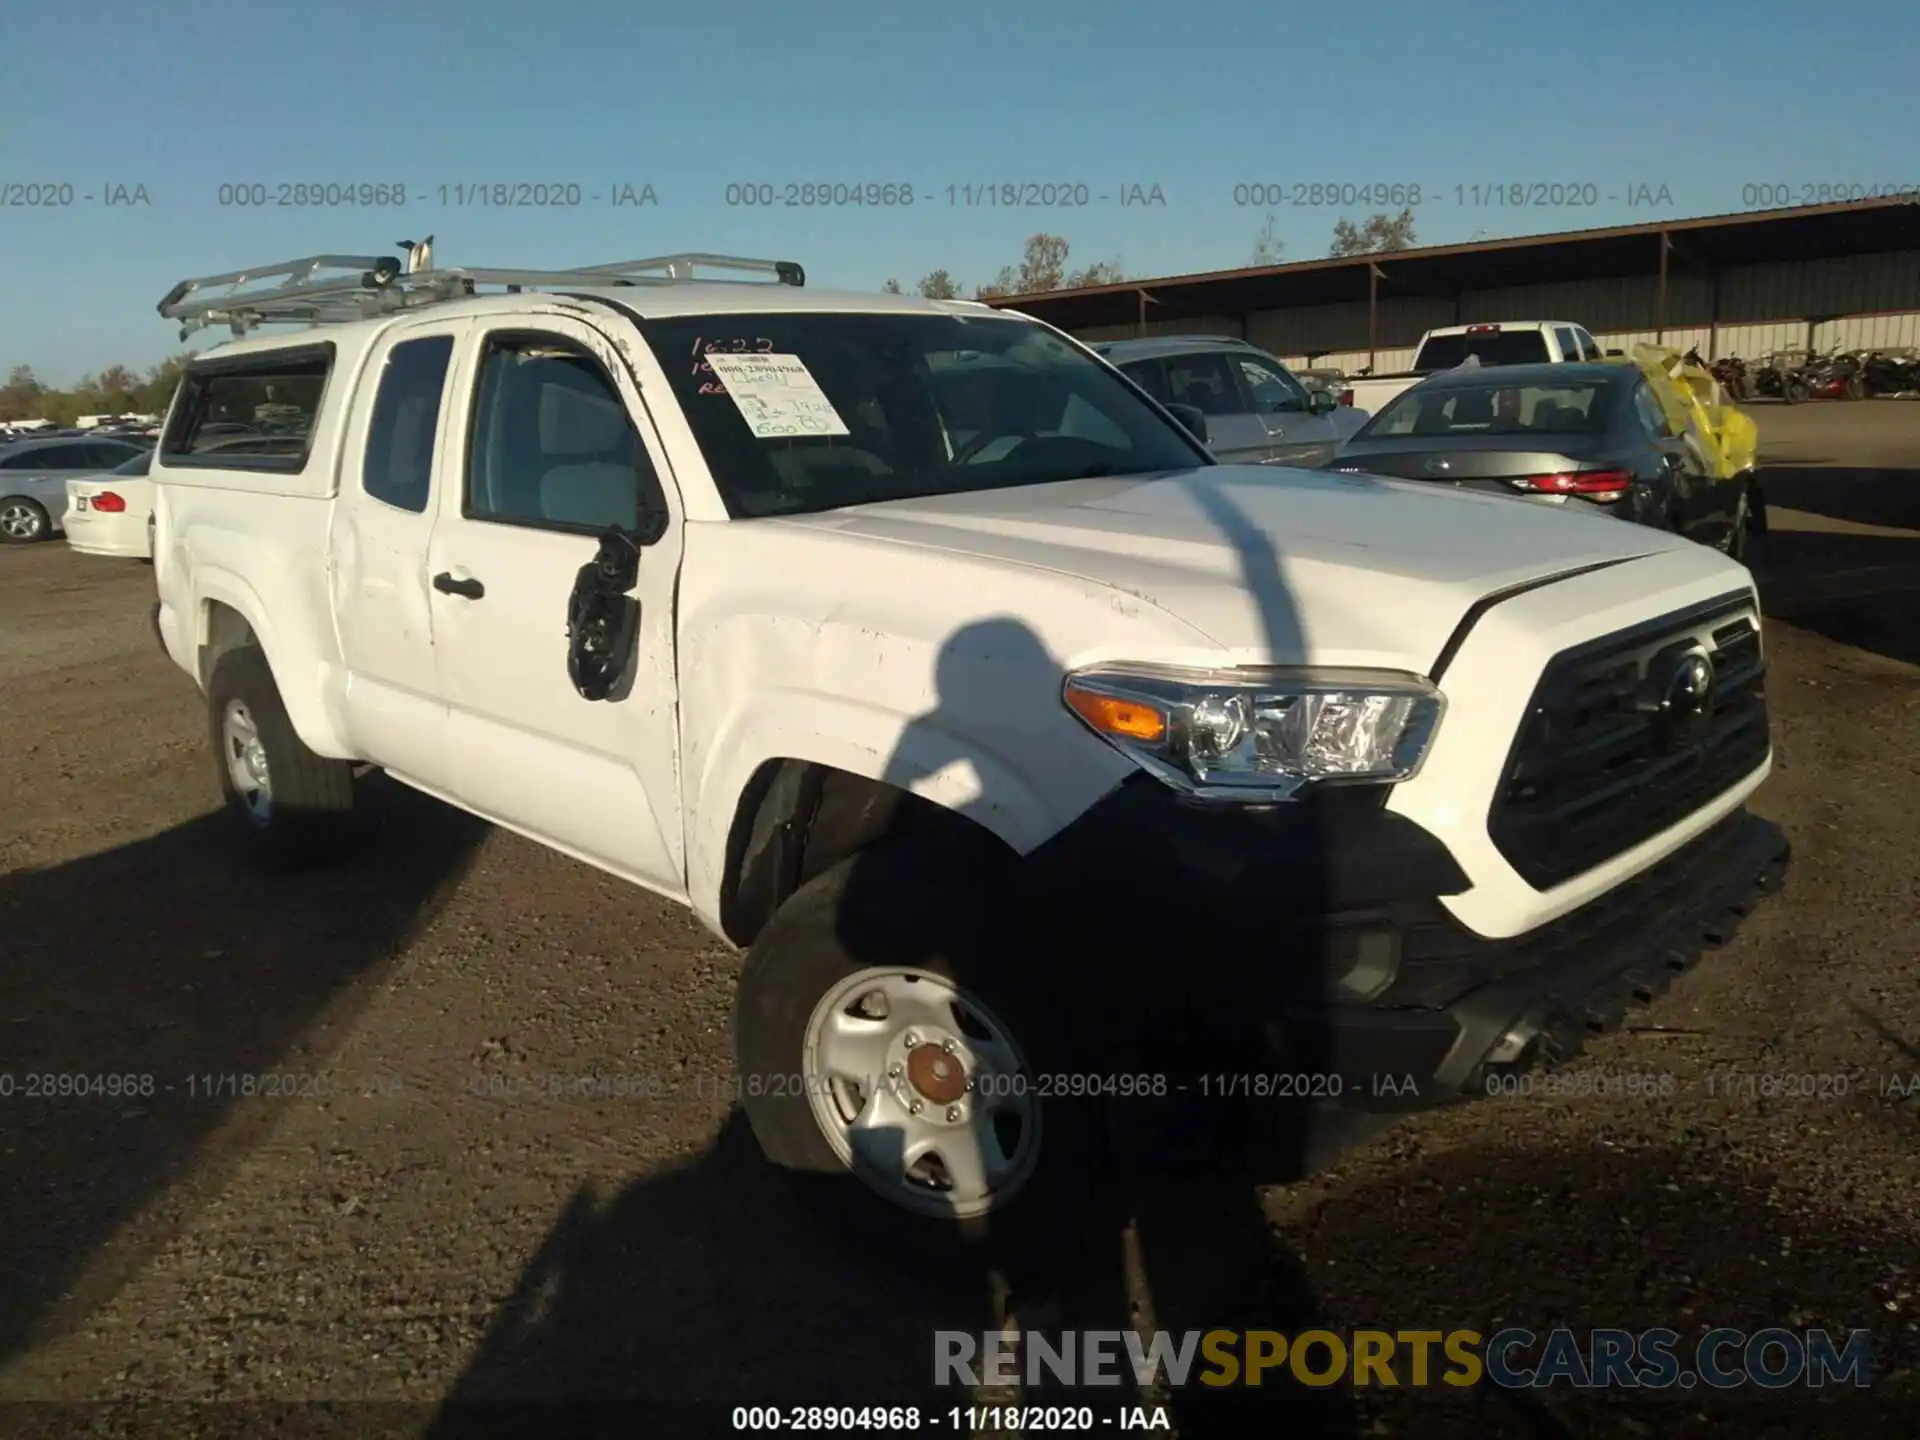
(63, 407)
(1101, 272)
(21, 396)
(892, 287)
(938, 285)
(1378, 233)
(155, 393)
(1042, 267)
(117, 388)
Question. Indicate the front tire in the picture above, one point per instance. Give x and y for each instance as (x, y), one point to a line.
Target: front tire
(292, 807)
(23, 521)
(900, 1059)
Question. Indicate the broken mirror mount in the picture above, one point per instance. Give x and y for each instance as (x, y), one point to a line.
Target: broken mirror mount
(603, 619)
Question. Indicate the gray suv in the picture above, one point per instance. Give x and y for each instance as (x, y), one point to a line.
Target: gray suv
(1257, 413)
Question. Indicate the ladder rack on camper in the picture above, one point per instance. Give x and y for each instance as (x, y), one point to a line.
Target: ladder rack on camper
(335, 289)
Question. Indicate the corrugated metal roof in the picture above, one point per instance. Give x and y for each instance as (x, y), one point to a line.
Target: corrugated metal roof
(1859, 228)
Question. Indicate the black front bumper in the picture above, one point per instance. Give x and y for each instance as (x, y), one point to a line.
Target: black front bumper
(1303, 954)
(1538, 997)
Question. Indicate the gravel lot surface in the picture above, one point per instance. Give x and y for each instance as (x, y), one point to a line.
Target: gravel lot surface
(404, 1243)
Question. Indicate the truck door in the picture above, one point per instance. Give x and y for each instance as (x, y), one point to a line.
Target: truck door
(379, 535)
(554, 446)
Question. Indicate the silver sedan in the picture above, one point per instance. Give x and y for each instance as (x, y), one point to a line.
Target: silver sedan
(33, 481)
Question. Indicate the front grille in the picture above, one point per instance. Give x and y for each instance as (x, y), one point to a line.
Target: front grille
(1596, 769)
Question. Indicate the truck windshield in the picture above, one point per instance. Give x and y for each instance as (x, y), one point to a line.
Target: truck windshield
(1494, 347)
(799, 412)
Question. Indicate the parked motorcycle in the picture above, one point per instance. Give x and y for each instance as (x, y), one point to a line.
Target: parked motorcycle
(1835, 377)
(1891, 372)
(1732, 374)
(1782, 375)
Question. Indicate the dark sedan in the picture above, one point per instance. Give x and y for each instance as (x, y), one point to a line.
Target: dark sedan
(1593, 436)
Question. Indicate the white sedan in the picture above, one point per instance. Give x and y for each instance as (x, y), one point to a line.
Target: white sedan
(108, 514)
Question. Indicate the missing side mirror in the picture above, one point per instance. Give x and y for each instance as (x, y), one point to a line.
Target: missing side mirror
(603, 619)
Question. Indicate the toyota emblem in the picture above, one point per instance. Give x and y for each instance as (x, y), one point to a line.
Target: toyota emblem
(1686, 698)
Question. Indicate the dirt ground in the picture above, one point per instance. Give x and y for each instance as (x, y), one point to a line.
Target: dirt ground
(429, 1232)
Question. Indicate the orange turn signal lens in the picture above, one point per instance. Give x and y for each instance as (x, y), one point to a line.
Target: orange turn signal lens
(1127, 719)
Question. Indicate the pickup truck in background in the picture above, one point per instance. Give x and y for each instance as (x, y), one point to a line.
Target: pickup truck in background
(1510, 342)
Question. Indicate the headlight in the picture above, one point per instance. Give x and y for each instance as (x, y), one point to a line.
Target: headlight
(1260, 735)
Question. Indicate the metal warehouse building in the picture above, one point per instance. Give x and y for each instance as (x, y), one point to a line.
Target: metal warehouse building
(1820, 276)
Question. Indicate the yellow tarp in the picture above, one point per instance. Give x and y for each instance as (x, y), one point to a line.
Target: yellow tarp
(1689, 394)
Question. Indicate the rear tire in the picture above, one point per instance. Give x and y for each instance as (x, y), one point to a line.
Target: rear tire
(23, 521)
(292, 807)
(889, 966)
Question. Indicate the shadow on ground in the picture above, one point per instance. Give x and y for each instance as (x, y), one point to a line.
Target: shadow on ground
(707, 1288)
(1859, 589)
(1864, 496)
(702, 1289)
(157, 968)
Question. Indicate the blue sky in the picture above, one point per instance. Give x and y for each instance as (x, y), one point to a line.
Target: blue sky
(1608, 102)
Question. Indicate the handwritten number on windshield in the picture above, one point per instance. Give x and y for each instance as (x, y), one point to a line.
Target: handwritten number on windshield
(759, 345)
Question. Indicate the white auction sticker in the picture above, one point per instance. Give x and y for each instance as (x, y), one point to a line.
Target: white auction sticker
(777, 395)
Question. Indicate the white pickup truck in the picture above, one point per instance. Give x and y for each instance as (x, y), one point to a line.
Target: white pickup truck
(1061, 784)
(1510, 342)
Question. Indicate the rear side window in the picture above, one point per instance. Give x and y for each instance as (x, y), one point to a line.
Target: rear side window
(253, 412)
(1569, 345)
(46, 457)
(398, 468)
(1493, 347)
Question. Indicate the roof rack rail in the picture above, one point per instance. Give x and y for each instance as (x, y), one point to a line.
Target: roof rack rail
(336, 289)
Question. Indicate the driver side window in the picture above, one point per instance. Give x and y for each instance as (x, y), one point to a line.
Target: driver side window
(553, 445)
(1273, 391)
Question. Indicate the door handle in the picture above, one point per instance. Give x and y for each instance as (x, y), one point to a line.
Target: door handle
(447, 585)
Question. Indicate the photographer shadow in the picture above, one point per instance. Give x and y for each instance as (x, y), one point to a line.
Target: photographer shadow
(703, 1288)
